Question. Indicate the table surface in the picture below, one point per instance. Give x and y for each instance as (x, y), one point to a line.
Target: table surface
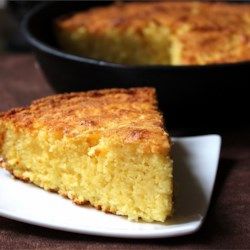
(227, 225)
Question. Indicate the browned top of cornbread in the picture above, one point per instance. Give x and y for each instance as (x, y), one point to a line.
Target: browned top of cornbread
(208, 32)
(122, 115)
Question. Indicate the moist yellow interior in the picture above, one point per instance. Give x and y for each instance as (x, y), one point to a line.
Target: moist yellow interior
(152, 45)
(87, 168)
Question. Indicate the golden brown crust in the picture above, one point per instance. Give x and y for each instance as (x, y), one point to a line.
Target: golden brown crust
(122, 115)
(207, 32)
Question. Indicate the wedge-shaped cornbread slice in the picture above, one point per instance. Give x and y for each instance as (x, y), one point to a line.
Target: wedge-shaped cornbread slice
(107, 148)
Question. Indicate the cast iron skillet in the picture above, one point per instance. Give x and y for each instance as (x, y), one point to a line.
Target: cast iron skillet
(192, 96)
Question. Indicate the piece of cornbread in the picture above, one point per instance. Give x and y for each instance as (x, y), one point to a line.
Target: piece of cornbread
(107, 148)
(163, 33)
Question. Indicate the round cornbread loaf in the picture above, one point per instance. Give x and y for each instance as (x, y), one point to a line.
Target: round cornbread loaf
(175, 33)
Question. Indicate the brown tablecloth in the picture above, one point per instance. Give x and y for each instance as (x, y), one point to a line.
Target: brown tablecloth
(227, 225)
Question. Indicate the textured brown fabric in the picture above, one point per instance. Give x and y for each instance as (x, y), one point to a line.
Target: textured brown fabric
(228, 222)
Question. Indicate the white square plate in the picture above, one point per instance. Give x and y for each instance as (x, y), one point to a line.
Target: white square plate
(196, 159)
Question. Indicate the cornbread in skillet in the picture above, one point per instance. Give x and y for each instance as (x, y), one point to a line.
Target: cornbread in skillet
(168, 33)
(107, 148)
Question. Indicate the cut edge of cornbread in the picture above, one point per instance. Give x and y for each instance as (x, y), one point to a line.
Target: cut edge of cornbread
(158, 33)
(126, 177)
(125, 47)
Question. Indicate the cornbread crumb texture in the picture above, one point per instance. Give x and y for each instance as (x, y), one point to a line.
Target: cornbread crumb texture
(107, 148)
(159, 33)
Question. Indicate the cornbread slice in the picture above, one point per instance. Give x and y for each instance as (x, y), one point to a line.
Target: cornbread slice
(107, 148)
(175, 33)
